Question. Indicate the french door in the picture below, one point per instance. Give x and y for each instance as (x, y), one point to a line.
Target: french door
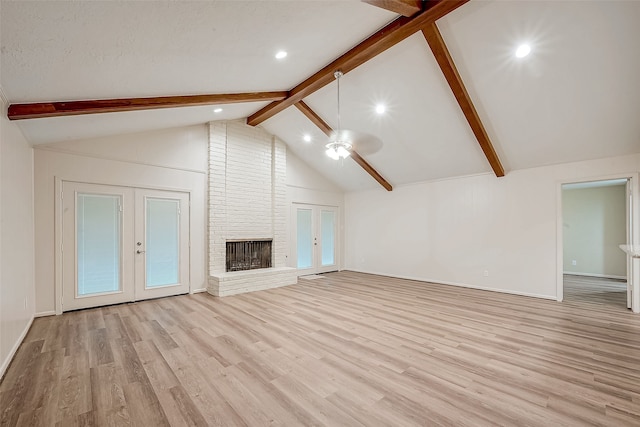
(315, 243)
(122, 244)
(162, 244)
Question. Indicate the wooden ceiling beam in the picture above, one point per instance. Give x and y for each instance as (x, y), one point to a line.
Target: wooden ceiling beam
(75, 108)
(370, 170)
(389, 36)
(448, 67)
(401, 7)
(324, 127)
(316, 119)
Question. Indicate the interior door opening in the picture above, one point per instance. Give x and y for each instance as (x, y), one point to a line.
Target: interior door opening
(596, 219)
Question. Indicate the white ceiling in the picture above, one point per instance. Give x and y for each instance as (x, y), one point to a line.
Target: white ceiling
(575, 97)
(56, 129)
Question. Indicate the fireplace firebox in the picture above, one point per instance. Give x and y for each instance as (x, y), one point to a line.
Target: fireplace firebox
(248, 254)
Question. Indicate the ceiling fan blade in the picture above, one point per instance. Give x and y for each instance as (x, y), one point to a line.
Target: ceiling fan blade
(362, 143)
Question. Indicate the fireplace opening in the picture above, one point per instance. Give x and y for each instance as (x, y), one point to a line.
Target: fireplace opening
(248, 255)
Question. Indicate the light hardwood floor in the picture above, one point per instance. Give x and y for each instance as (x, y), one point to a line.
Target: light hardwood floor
(595, 290)
(346, 350)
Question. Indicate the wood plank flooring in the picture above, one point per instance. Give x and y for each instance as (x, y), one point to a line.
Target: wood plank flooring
(595, 290)
(348, 350)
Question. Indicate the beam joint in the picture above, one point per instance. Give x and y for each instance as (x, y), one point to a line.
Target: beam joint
(387, 37)
(401, 7)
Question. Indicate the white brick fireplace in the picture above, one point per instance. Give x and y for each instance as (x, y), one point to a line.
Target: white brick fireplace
(247, 201)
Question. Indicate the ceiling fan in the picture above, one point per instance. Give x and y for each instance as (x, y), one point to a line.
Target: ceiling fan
(343, 141)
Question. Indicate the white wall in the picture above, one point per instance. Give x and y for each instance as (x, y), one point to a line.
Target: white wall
(17, 291)
(172, 159)
(306, 186)
(175, 148)
(453, 231)
(594, 224)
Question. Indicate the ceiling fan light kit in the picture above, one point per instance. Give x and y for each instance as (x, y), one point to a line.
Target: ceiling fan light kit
(338, 149)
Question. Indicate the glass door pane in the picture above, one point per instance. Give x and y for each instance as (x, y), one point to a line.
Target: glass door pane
(98, 240)
(304, 238)
(162, 242)
(96, 243)
(327, 225)
(162, 253)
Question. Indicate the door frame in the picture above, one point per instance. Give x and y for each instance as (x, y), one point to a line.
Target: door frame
(633, 235)
(293, 242)
(58, 219)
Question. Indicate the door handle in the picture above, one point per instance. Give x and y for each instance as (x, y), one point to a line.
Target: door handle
(140, 252)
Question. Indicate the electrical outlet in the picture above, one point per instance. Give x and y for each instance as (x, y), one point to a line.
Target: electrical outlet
(486, 273)
(574, 262)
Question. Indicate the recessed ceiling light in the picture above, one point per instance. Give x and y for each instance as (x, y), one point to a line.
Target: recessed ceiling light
(307, 138)
(523, 50)
(217, 110)
(380, 108)
(281, 54)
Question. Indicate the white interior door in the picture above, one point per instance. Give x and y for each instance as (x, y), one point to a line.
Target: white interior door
(162, 243)
(315, 244)
(97, 225)
(121, 244)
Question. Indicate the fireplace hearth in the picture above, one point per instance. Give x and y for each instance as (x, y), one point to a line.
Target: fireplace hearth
(248, 255)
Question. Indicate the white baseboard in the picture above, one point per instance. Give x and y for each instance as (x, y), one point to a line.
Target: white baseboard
(45, 313)
(14, 349)
(197, 291)
(461, 285)
(602, 276)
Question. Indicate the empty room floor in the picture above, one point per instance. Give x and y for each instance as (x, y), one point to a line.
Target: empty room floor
(345, 350)
(595, 290)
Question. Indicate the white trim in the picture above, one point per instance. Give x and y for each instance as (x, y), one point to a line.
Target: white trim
(14, 349)
(460, 285)
(603, 276)
(318, 190)
(634, 271)
(113, 159)
(559, 245)
(595, 184)
(321, 205)
(197, 291)
(45, 313)
(135, 187)
(57, 241)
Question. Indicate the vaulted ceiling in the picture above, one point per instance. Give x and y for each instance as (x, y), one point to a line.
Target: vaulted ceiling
(575, 97)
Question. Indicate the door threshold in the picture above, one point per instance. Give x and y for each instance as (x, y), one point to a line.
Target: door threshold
(312, 277)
